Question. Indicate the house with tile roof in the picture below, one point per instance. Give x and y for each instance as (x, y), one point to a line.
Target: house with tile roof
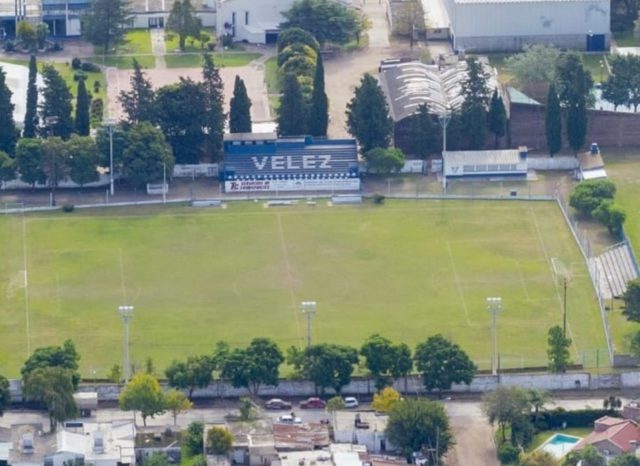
(612, 436)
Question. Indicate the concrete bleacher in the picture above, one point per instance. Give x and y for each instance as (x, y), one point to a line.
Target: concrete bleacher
(615, 267)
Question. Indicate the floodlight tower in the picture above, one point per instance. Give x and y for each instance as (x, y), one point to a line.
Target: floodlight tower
(309, 309)
(110, 123)
(494, 305)
(126, 312)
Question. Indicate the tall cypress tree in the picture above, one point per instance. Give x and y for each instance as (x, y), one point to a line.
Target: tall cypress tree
(106, 22)
(424, 133)
(319, 110)
(56, 109)
(214, 101)
(497, 116)
(553, 122)
(138, 102)
(8, 131)
(31, 113)
(83, 122)
(577, 123)
(292, 118)
(240, 109)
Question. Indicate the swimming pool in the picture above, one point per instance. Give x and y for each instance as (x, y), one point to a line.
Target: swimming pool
(559, 445)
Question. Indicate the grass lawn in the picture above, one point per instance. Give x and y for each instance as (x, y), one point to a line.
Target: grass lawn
(271, 75)
(229, 59)
(627, 39)
(406, 269)
(543, 436)
(136, 41)
(123, 62)
(172, 42)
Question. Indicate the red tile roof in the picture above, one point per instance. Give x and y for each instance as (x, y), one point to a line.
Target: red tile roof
(620, 432)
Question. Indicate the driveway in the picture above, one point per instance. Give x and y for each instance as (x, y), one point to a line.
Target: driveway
(474, 444)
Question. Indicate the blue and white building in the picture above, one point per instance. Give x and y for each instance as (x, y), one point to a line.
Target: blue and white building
(264, 162)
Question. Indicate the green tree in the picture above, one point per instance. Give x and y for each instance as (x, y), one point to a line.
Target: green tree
(146, 155)
(31, 109)
(106, 22)
(83, 159)
(42, 31)
(5, 394)
(115, 374)
(558, 350)
(619, 87)
(193, 438)
(254, 366)
(7, 167)
(368, 117)
(184, 21)
(420, 425)
(138, 103)
(291, 36)
(624, 14)
(381, 160)
(443, 363)
(9, 133)
(326, 365)
(539, 458)
(424, 133)
(103, 144)
(589, 194)
(26, 34)
(240, 108)
(55, 110)
(631, 299)
(497, 117)
(83, 121)
(176, 402)
(553, 122)
(573, 82)
(505, 405)
(475, 90)
(537, 399)
(28, 155)
(626, 459)
(577, 124)
(535, 65)
(335, 403)
(96, 111)
(53, 387)
(590, 457)
(156, 459)
(54, 161)
(402, 363)
(292, 113)
(319, 108)
(219, 440)
(385, 399)
(196, 372)
(65, 357)
(326, 20)
(179, 110)
(143, 393)
(247, 409)
(298, 49)
(379, 353)
(611, 215)
(215, 117)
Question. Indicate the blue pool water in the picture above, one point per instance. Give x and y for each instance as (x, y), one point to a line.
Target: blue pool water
(559, 445)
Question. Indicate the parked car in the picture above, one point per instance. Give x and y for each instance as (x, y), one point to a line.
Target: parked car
(313, 403)
(277, 403)
(288, 419)
(350, 402)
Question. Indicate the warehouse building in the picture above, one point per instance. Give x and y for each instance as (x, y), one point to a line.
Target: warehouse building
(486, 164)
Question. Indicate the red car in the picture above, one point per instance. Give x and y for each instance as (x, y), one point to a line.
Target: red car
(277, 403)
(313, 403)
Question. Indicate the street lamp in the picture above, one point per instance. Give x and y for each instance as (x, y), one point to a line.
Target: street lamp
(309, 309)
(444, 118)
(110, 123)
(50, 122)
(494, 305)
(126, 312)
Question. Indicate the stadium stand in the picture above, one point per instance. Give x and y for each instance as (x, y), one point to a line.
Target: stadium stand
(615, 267)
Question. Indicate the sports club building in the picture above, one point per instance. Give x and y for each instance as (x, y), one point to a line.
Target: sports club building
(264, 162)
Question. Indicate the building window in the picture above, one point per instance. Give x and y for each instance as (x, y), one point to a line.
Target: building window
(246, 17)
(233, 18)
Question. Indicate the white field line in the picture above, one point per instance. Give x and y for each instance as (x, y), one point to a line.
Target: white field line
(289, 277)
(122, 280)
(26, 285)
(522, 280)
(458, 285)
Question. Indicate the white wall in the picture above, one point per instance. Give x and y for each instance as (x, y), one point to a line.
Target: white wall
(262, 11)
(73, 27)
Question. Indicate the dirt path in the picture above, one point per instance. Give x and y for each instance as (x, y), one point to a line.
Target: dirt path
(473, 436)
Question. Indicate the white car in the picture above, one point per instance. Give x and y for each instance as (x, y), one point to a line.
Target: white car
(288, 419)
(350, 402)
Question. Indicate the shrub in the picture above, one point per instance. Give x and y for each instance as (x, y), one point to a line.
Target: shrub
(211, 46)
(96, 86)
(9, 46)
(508, 454)
(90, 67)
(378, 198)
(577, 418)
(78, 75)
(76, 63)
(588, 195)
(68, 208)
(227, 40)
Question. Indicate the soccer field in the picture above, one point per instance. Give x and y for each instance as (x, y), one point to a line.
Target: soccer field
(407, 269)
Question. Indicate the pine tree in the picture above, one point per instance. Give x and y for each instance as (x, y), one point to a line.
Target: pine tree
(214, 99)
(138, 103)
(184, 21)
(83, 122)
(240, 109)
(474, 108)
(368, 117)
(8, 131)
(497, 116)
(553, 122)
(31, 113)
(292, 119)
(423, 135)
(319, 109)
(577, 124)
(106, 22)
(56, 109)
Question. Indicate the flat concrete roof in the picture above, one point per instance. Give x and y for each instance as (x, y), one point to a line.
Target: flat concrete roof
(346, 420)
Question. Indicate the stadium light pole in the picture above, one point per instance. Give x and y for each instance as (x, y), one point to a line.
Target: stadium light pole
(494, 305)
(109, 123)
(444, 118)
(126, 312)
(309, 309)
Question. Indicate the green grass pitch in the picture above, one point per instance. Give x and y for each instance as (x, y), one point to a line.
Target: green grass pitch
(406, 269)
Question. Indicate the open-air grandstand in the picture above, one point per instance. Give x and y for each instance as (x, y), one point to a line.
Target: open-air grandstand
(614, 268)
